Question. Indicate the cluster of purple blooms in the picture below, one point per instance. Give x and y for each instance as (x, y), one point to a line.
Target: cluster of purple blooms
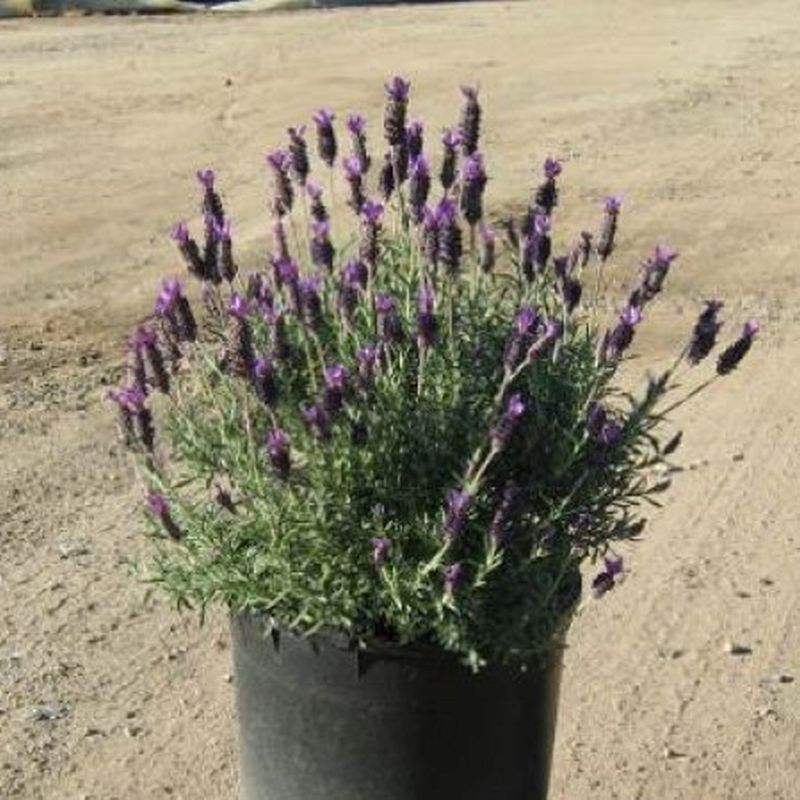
(293, 308)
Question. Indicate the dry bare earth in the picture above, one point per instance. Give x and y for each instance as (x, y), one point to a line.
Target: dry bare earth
(691, 109)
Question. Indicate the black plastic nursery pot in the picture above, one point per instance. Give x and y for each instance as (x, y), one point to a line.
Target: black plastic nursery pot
(320, 720)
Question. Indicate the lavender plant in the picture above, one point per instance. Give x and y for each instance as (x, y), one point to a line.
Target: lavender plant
(413, 435)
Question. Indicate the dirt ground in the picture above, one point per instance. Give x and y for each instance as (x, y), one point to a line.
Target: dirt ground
(690, 109)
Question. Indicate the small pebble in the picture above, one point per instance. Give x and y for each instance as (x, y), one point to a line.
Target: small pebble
(778, 677)
(47, 713)
(133, 730)
(738, 456)
(737, 649)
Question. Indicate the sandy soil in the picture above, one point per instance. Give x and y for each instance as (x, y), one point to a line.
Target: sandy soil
(690, 109)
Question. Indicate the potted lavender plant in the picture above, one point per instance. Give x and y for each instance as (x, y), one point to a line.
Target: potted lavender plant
(388, 450)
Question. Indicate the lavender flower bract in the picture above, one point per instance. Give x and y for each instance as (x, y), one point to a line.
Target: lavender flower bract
(459, 502)
(381, 547)
(326, 136)
(394, 120)
(322, 250)
(704, 335)
(264, 382)
(159, 508)
(298, 151)
(732, 355)
(450, 141)
(470, 125)
(608, 231)
(357, 126)
(418, 187)
(279, 452)
(279, 162)
(427, 324)
(239, 351)
(503, 431)
(319, 213)
(473, 184)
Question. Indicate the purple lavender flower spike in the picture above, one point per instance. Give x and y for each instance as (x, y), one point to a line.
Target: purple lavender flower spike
(451, 246)
(602, 583)
(473, 183)
(620, 338)
(503, 519)
(263, 379)
(317, 420)
(571, 292)
(239, 356)
(525, 324)
(311, 302)
(527, 320)
(505, 427)
(386, 182)
(159, 508)
(144, 345)
(546, 196)
(606, 433)
(608, 231)
(206, 178)
(189, 251)
(414, 139)
(394, 119)
(322, 249)
(174, 310)
(418, 187)
(704, 335)
(279, 162)
(281, 350)
(400, 162)
(280, 242)
(612, 434)
(447, 176)
(286, 273)
(225, 263)
(357, 126)
(427, 324)
(337, 379)
(381, 547)
(326, 136)
(279, 452)
(553, 330)
(596, 421)
(212, 205)
(319, 213)
(367, 362)
(733, 354)
(470, 124)
(298, 150)
(453, 578)
(369, 246)
(354, 175)
(459, 502)
(655, 270)
(135, 418)
(552, 168)
(390, 325)
(488, 246)
(536, 245)
(356, 273)
(429, 235)
(137, 370)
